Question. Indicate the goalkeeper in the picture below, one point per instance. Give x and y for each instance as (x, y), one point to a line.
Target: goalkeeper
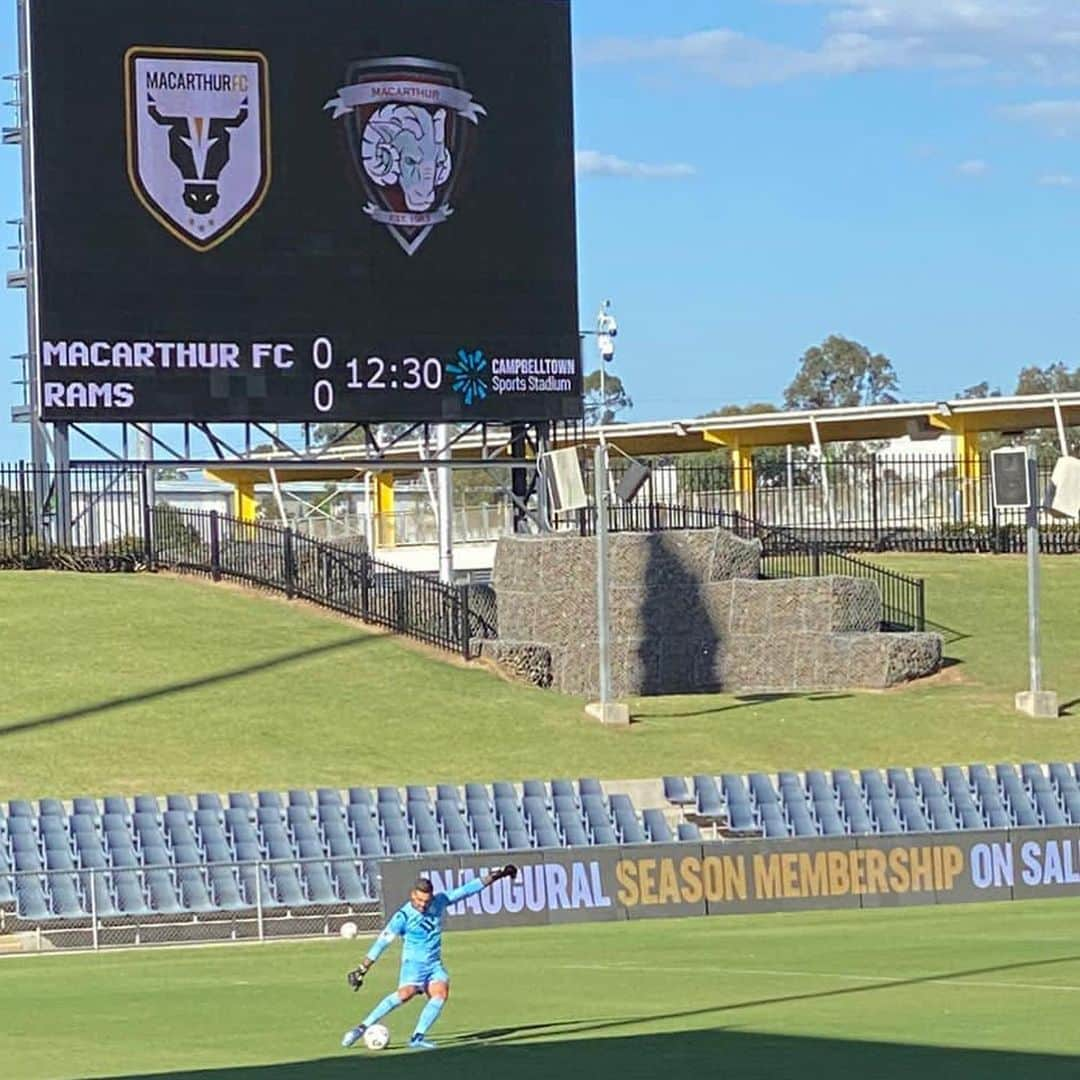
(419, 922)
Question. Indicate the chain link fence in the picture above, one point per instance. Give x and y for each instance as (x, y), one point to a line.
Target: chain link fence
(169, 904)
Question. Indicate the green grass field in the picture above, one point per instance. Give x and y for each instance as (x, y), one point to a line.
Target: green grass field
(141, 683)
(957, 993)
(128, 684)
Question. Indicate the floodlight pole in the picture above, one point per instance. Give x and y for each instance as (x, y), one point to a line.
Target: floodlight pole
(603, 620)
(1034, 613)
(445, 487)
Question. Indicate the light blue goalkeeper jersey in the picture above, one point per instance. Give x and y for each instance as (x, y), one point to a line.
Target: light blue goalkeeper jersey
(422, 931)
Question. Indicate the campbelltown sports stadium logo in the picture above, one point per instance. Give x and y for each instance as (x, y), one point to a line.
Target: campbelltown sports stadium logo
(409, 126)
(474, 376)
(538, 887)
(198, 138)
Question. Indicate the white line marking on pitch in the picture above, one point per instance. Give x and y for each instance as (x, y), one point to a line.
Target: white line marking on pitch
(928, 980)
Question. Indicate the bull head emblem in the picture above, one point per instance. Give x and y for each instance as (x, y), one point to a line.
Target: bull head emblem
(198, 129)
(199, 148)
(409, 125)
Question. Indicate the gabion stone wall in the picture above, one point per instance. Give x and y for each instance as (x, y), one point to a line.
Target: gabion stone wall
(688, 613)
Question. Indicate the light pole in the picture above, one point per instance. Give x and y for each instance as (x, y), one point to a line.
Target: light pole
(607, 328)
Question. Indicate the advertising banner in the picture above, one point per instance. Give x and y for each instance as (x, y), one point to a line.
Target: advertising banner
(747, 876)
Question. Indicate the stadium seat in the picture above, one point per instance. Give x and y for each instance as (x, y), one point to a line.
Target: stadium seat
(300, 815)
(255, 885)
(676, 792)
(147, 804)
(970, 818)
(371, 844)
(30, 900)
(400, 844)
(359, 796)
(389, 796)
(656, 826)
(911, 814)
(224, 889)
(536, 788)
(801, 821)
(270, 800)
(58, 859)
(180, 804)
(818, 785)
(97, 895)
(286, 885)
(503, 789)
(50, 808)
(417, 793)
(734, 790)
(129, 894)
(350, 886)
(790, 781)
(84, 805)
(741, 816)
(1072, 806)
(448, 793)
(881, 809)
(20, 808)
(302, 798)
(900, 784)
(689, 832)
(761, 788)
(940, 814)
(64, 896)
(1048, 809)
(206, 800)
(626, 820)
(708, 796)
(430, 843)
(160, 891)
(328, 797)
(772, 820)
(241, 800)
(588, 785)
(829, 819)
(195, 897)
(317, 884)
(928, 784)
(1062, 777)
(116, 804)
(858, 820)
(269, 815)
(487, 839)
(562, 787)
(873, 784)
(20, 826)
(217, 851)
(83, 825)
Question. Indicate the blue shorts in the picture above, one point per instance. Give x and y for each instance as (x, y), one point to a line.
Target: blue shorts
(419, 973)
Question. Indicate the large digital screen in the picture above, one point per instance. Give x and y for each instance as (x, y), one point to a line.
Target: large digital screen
(335, 210)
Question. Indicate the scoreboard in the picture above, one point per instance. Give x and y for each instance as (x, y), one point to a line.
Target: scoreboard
(341, 210)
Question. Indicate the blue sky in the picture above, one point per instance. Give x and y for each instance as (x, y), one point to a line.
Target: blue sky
(757, 174)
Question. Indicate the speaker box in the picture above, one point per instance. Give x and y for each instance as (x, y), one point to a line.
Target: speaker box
(632, 481)
(1011, 479)
(1063, 494)
(565, 482)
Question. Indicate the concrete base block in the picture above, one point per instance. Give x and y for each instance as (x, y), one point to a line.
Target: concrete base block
(613, 714)
(1041, 704)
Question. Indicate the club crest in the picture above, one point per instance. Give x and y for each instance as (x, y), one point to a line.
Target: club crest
(409, 126)
(198, 138)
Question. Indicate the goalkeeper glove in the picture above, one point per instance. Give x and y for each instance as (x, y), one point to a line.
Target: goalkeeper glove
(356, 977)
(509, 870)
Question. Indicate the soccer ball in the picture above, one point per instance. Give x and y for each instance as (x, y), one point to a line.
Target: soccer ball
(349, 930)
(376, 1037)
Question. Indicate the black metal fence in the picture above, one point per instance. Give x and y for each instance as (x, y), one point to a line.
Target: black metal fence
(102, 517)
(871, 502)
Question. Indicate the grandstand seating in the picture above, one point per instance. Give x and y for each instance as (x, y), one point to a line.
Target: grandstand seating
(182, 856)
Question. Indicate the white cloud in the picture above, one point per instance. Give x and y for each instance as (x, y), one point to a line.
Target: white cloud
(1057, 180)
(1060, 119)
(1037, 39)
(593, 163)
(974, 167)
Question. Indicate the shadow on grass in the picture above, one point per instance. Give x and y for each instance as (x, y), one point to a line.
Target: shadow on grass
(160, 692)
(571, 1048)
(719, 1052)
(950, 635)
(742, 701)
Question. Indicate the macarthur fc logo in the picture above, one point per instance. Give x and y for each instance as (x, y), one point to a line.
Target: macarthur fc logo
(198, 138)
(409, 125)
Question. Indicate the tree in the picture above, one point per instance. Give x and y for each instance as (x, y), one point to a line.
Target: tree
(977, 392)
(615, 398)
(1053, 379)
(840, 373)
